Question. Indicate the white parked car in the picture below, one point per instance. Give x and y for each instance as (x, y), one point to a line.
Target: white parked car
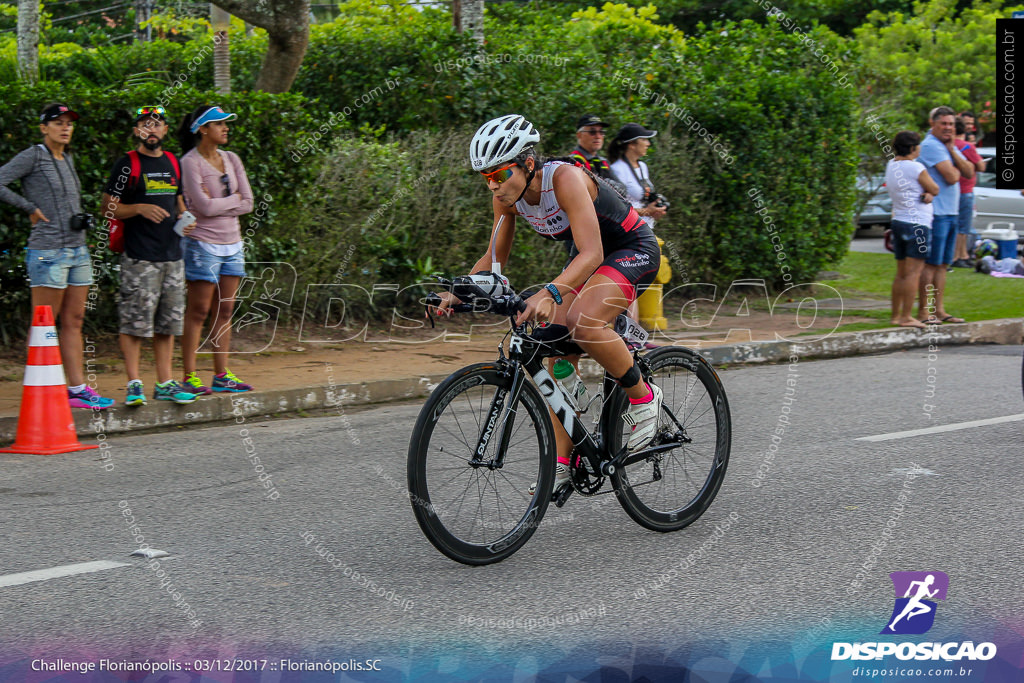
(995, 209)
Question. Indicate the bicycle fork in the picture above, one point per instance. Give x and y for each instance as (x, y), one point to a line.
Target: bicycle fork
(500, 416)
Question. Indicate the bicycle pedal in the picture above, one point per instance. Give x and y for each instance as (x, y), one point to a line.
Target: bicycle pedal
(561, 494)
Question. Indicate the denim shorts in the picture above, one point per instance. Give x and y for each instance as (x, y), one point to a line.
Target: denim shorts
(943, 240)
(202, 265)
(59, 268)
(910, 240)
(966, 213)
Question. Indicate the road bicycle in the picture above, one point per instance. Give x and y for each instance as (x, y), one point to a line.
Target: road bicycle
(485, 436)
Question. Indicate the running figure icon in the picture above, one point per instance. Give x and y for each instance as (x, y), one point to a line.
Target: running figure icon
(912, 591)
(914, 605)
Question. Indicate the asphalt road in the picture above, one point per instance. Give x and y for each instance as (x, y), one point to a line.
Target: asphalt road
(788, 566)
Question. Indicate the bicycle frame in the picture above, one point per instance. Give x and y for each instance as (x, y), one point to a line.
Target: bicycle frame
(525, 358)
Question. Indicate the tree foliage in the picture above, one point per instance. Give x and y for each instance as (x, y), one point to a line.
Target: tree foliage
(913, 62)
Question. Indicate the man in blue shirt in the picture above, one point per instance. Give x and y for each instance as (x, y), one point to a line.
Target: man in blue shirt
(946, 166)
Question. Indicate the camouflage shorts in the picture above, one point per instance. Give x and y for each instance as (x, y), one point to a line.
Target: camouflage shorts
(152, 297)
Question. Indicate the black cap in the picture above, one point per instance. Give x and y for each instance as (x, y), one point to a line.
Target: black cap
(590, 120)
(55, 111)
(634, 131)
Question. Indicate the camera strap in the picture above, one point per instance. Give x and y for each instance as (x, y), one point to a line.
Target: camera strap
(60, 176)
(643, 182)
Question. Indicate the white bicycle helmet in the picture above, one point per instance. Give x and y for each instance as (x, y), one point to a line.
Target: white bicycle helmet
(501, 140)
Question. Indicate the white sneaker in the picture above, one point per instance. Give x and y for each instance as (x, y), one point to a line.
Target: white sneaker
(644, 419)
(562, 473)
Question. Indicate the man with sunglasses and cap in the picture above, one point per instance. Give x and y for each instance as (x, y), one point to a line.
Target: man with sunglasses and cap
(590, 136)
(144, 191)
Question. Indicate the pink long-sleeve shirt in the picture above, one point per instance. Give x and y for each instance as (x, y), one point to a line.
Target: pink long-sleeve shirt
(216, 215)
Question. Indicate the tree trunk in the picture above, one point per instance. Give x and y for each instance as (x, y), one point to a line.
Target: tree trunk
(220, 21)
(28, 40)
(282, 61)
(468, 16)
(143, 13)
(287, 26)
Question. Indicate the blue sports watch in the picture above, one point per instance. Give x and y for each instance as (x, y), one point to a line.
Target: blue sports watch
(554, 293)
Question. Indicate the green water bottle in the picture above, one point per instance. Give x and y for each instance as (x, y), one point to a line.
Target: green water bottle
(571, 384)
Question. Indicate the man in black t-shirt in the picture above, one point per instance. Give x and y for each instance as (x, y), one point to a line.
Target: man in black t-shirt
(144, 191)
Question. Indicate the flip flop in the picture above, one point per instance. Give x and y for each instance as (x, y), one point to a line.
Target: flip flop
(952, 319)
(919, 326)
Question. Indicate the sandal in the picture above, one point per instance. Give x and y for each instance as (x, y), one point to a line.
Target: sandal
(951, 319)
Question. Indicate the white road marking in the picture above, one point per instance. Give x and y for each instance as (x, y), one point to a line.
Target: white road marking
(57, 572)
(942, 428)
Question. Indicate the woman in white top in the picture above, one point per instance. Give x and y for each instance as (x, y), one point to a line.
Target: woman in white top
(911, 190)
(631, 143)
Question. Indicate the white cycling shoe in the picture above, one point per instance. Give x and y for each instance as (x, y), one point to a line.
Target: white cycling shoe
(644, 419)
(562, 473)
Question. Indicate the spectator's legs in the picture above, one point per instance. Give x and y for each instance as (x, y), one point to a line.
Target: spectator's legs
(71, 309)
(221, 326)
(933, 282)
(197, 306)
(163, 350)
(961, 248)
(964, 220)
(131, 349)
(904, 289)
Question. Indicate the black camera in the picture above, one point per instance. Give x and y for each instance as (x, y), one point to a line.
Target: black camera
(656, 199)
(83, 221)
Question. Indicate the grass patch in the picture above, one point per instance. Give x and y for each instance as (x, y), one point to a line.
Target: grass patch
(969, 295)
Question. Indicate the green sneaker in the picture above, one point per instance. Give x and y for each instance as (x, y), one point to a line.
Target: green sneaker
(228, 381)
(136, 394)
(195, 385)
(173, 391)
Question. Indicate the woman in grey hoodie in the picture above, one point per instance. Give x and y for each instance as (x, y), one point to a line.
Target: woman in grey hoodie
(59, 267)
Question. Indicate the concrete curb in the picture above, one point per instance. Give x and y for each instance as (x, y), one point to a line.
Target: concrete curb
(225, 407)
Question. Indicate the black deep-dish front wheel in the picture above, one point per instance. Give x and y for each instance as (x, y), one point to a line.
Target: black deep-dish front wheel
(474, 513)
(671, 489)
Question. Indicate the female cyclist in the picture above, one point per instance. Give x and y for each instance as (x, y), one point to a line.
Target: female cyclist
(618, 258)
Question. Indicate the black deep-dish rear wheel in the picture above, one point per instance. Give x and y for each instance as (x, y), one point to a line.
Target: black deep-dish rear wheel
(671, 489)
(478, 515)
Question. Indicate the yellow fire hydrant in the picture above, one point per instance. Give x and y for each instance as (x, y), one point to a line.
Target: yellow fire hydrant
(651, 309)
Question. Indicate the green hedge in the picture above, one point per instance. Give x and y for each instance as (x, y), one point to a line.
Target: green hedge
(759, 92)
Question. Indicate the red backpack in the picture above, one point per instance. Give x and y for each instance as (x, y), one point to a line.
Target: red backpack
(116, 240)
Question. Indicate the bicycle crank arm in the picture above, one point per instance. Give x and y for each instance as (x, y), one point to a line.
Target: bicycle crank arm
(561, 494)
(624, 459)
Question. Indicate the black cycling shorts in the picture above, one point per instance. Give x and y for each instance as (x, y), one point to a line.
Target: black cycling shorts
(632, 266)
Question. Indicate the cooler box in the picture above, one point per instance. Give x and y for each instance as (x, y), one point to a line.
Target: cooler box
(1006, 239)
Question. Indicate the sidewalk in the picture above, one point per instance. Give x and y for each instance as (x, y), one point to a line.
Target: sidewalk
(295, 377)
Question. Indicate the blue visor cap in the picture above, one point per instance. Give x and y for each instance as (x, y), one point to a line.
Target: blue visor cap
(209, 116)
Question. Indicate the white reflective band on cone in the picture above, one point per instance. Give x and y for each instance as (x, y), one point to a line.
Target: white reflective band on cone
(43, 336)
(44, 375)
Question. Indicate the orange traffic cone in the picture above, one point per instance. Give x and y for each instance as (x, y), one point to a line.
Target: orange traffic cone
(45, 426)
